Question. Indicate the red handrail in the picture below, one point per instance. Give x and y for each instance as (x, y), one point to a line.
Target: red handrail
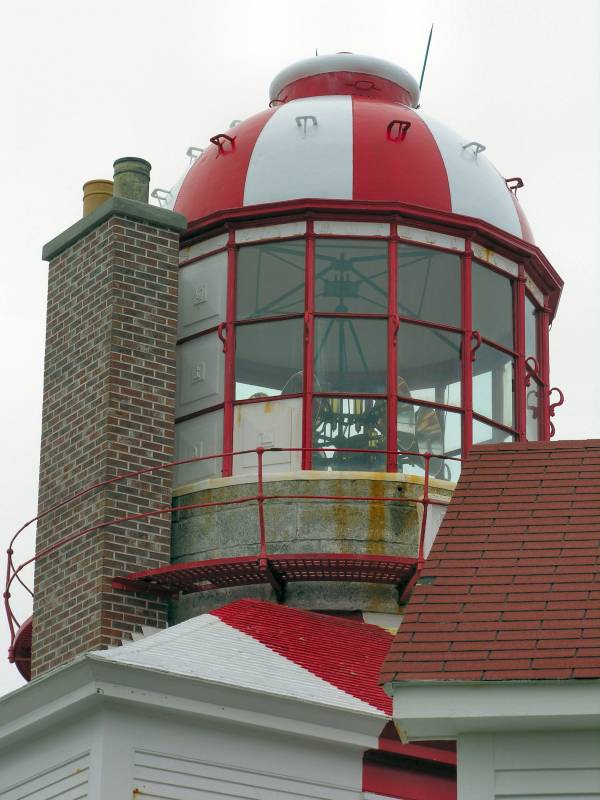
(13, 572)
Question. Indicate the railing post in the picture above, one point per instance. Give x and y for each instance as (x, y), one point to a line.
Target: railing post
(260, 497)
(425, 501)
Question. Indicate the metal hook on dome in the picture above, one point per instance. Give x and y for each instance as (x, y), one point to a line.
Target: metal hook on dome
(163, 196)
(220, 139)
(193, 153)
(476, 146)
(403, 126)
(302, 122)
(234, 122)
(514, 184)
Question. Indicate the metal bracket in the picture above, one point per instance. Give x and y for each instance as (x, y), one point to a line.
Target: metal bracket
(477, 147)
(554, 406)
(403, 126)
(477, 336)
(220, 329)
(163, 196)
(514, 184)
(531, 369)
(193, 153)
(278, 584)
(220, 139)
(302, 122)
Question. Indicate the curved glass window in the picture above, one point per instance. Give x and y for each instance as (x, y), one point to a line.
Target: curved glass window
(429, 363)
(270, 279)
(350, 355)
(372, 343)
(351, 276)
(489, 434)
(342, 424)
(429, 285)
(268, 359)
(493, 374)
(492, 305)
(426, 429)
(531, 331)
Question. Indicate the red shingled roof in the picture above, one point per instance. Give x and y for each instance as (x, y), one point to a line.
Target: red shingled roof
(342, 652)
(511, 588)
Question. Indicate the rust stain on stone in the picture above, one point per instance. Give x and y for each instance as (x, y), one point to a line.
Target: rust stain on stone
(341, 514)
(375, 543)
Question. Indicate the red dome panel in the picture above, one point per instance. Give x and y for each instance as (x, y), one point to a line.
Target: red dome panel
(216, 181)
(396, 166)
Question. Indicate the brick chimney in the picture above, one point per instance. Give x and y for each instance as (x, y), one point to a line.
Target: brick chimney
(109, 400)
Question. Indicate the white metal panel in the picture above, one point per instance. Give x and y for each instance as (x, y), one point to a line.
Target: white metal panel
(202, 248)
(67, 780)
(270, 424)
(342, 228)
(244, 235)
(199, 436)
(489, 256)
(202, 294)
(431, 237)
(293, 159)
(476, 187)
(534, 290)
(435, 515)
(200, 374)
(345, 62)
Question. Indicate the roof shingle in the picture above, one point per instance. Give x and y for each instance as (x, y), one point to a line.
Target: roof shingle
(511, 588)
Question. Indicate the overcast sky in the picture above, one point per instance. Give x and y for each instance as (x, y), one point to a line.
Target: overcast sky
(85, 83)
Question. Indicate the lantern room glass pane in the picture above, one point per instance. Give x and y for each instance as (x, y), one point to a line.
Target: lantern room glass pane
(489, 434)
(531, 329)
(268, 359)
(350, 355)
(270, 279)
(341, 423)
(425, 429)
(492, 305)
(493, 382)
(351, 276)
(532, 410)
(429, 285)
(429, 364)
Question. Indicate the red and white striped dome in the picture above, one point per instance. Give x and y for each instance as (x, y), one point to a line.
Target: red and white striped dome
(344, 127)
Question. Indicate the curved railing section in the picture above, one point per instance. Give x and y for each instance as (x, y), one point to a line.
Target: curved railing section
(264, 567)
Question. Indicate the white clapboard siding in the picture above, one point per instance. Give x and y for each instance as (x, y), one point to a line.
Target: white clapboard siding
(67, 781)
(170, 777)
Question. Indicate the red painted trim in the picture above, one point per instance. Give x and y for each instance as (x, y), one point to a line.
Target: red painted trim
(444, 221)
(392, 344)
(396, 167)
(357, 84)
(309, 335)
(543, 332)
(467, 371)
(520, 393)
(229, 393)
(407, 778)
(194, 259)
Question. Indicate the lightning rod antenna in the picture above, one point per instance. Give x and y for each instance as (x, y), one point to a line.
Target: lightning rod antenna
(425, 59)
